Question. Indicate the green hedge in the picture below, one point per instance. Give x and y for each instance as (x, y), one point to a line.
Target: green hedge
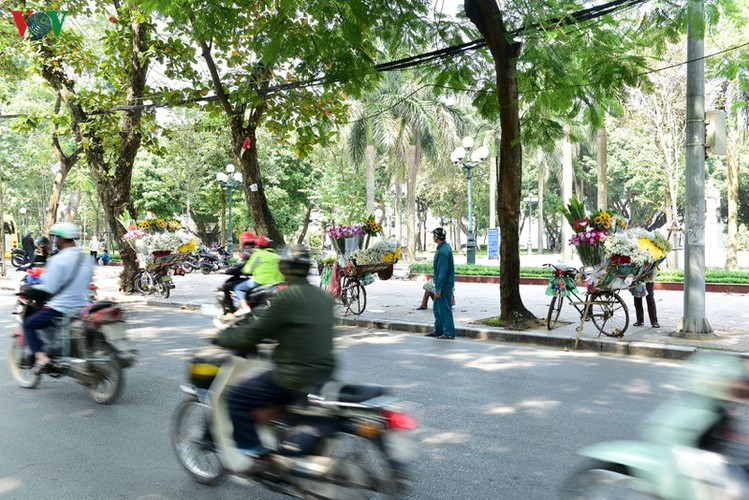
(666, 275)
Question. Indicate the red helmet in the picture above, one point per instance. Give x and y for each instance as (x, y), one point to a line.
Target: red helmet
(247, 238)
(263, 242)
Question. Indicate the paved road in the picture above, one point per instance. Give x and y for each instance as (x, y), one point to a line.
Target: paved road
(497, 421)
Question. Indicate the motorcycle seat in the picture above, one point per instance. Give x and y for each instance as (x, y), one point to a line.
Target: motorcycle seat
(352, 393)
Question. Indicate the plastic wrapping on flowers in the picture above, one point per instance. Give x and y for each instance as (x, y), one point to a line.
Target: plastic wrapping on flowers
(382, 251)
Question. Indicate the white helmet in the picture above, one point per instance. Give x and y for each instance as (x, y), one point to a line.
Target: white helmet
(66, 231)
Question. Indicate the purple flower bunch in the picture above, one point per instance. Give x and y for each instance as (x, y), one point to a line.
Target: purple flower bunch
(346, 231)
(591, 237)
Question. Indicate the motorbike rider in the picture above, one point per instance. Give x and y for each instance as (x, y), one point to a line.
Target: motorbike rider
(263, 267)
(247, 242)
(300, 318)
(67, 278)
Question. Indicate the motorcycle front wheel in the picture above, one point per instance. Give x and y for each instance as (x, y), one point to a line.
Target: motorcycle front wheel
(103, 362)
(361, 470)
(16, 260)
(192, 444)
(601, 480)
(21, 361)
(206, 268)
(142, 282)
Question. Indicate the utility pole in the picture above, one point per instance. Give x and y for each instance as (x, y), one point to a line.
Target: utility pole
(693, 321)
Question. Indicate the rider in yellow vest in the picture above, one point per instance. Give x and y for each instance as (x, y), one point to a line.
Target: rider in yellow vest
(263, 267)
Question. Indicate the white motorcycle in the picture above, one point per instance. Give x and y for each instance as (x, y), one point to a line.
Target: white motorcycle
(692, 448)
(344, 441)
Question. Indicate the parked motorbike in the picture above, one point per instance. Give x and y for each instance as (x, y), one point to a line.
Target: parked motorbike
(210, 262)
(191, 264)
(91, 347)
(150, 281)
(339, 441)
(16, 257)
(692, 448)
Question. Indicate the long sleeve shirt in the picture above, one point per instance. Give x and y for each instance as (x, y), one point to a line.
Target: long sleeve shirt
(301, 319)
(67, 263)
(444, 268)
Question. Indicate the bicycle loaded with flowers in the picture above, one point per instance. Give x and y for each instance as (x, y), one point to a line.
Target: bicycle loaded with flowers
(158, 242)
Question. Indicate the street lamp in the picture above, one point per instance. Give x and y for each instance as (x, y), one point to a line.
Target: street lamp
(530, 201)
(463, 158)
(22, 211)
(229, 180)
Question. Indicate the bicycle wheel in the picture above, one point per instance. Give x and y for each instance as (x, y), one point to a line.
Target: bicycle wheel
(610, 314)
(354, 296)
(554, 309)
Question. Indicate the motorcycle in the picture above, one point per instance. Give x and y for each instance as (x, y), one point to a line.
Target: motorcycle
(226, 301)
(339, 441)
(91, 347)
(17, 257)
(191, 264)
(150, 281)
(33, 275)
(692, 447)
(210, 262)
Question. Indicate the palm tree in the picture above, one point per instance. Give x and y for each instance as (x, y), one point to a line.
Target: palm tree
(408, 124)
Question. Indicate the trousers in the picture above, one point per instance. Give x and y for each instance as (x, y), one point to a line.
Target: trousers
(652, 312)
(443, 313)
(255, 393)
(37, 321)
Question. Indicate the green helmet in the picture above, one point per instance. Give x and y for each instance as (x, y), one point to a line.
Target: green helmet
(66, 231)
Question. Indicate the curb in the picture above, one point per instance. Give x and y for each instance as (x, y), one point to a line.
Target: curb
(602, 345)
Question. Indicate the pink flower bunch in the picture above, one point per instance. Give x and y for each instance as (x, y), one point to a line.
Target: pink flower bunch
(134, 234)
(590, 237)
(346, 231)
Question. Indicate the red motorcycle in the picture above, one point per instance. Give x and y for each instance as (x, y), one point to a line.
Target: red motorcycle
(90, 346)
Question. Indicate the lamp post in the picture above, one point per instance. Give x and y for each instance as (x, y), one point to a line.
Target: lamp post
(229, 180)
(22, 211)
(463, 158)
(530, 201)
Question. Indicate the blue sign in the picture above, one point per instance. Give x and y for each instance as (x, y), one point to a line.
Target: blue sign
(493, 244)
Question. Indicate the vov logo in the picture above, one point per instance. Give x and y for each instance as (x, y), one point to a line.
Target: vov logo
(39, 23)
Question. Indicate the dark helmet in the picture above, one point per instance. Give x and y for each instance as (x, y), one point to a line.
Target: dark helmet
(295, 261)
(440, 233)
(42, 241)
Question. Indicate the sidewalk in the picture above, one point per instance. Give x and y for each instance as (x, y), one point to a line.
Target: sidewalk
(392, 305)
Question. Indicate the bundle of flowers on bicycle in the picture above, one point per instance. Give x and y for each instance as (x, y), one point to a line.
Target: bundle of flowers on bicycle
(158, 242)
(613, 256)
(378, 258)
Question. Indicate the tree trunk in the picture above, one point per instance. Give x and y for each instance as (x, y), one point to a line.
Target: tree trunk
(113, 180)
(540, 216)
(71, 211)
(398, 210)
(567, 181)
(487, 17)
(369, 155)
(603, 201)
(732, 163)
(412, 167)
(305, 227)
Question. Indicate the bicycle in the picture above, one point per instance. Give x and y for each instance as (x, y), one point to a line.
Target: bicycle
(605, 308)
(149, 281)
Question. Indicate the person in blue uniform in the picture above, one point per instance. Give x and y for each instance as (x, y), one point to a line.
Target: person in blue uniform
(444, 284)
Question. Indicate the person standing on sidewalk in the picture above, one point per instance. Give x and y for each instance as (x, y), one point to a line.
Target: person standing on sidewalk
(646, 289)
(444, 283)
(93, 247)
(27, 243)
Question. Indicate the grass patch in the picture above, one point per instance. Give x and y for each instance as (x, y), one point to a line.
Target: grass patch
(664, 275)
(518, 324)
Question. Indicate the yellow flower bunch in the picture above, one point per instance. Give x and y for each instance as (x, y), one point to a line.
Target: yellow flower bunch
(389, 257)
(187, 247)
(160, 223)
(647, 245)
(622, 224)
(371, 226)
(602, 220)
(144, 224)
(173, 225)
(398, 253)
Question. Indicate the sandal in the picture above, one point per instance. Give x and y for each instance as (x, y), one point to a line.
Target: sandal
(421, 308)
(39, 368)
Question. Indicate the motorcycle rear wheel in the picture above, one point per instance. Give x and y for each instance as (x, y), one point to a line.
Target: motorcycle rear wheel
(362, 470)
(16, 260)
(108, 387)
(602, 480)
(143, 282)
(21, 361)
(206, 269)
(188, 433)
